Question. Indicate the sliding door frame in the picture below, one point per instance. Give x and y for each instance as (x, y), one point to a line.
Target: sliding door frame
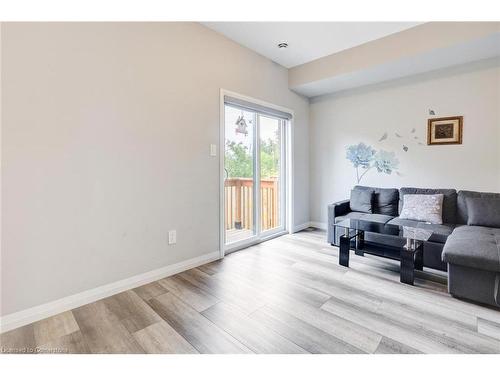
(286, 169)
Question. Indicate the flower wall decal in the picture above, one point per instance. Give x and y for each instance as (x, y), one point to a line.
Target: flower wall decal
(385, 161)
(366, 157)
(411, 138)
(360, 155)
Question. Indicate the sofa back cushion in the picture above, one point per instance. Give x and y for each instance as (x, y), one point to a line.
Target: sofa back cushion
(462, 212)
(483, 212)
(449, 200)
(385, 201)
(361, 199)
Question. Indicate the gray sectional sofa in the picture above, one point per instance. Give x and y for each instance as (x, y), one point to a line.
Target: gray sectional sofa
(470, 253)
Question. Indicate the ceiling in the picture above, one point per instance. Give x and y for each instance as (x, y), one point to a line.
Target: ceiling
(481, 51)
(307, 41)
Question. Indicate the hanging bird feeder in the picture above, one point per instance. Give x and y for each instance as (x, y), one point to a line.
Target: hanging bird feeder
(241, 126)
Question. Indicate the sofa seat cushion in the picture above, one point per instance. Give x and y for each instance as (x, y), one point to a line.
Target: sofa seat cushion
(376, 218)
(440, 231)
(475, 247)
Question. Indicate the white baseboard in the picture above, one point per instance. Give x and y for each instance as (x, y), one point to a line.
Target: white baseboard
(33, 314)
(309, 224)
(300, 227)
(318, 224)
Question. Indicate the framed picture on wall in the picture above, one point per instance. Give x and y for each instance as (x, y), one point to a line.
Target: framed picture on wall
(445, 131)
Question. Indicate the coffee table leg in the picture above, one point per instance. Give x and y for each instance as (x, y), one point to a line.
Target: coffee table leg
(359, 243)
(419, 256)
(345, 244)
(407, 269)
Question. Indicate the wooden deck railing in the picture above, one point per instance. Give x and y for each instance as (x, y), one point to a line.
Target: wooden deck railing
(238, 196)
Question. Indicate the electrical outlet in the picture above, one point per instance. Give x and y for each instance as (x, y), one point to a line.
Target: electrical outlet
(172, 237)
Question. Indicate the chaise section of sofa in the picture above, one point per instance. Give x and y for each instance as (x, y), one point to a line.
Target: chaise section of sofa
(473, 256)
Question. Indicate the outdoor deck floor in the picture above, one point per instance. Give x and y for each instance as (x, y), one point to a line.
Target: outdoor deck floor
(234, 235)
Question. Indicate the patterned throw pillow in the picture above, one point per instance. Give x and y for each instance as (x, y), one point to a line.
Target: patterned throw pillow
(423, 207)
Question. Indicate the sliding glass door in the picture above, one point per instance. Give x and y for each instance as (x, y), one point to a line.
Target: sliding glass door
(239, 179)
(271, 149)
(254, 169)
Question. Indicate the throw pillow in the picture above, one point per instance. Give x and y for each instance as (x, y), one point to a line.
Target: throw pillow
(385, 201)
(423, 207)
(361, 200)
(483, 212)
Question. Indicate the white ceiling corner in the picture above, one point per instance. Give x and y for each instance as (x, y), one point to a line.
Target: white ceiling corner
(307, 41)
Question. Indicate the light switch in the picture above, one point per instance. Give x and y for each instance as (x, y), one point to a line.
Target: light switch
(213, 150)
(172, 237)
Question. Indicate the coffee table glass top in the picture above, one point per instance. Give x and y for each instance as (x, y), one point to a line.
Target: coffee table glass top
(419, 234)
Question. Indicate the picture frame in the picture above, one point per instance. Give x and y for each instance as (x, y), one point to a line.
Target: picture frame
(445, 130)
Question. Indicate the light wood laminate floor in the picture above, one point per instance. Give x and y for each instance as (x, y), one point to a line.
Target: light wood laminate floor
(287, 295)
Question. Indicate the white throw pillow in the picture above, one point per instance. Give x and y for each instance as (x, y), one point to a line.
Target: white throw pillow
(423, 207)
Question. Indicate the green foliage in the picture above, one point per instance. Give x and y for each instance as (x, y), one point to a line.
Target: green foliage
(269, 158)
(238, 160)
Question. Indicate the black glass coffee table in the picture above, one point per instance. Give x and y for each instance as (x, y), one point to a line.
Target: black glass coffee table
(410, 254)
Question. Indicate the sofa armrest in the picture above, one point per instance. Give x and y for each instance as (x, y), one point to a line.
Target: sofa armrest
(334, 210)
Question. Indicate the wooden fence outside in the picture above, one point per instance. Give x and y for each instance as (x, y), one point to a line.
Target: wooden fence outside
(238, 196)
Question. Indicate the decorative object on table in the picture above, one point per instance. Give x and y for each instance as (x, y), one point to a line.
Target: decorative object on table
(366, 157)
(445, 131)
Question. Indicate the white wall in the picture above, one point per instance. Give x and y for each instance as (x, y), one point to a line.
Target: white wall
(364, 115)
(106, 132)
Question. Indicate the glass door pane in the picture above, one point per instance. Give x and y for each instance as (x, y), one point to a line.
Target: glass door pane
(239, 167)
(270, 145)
